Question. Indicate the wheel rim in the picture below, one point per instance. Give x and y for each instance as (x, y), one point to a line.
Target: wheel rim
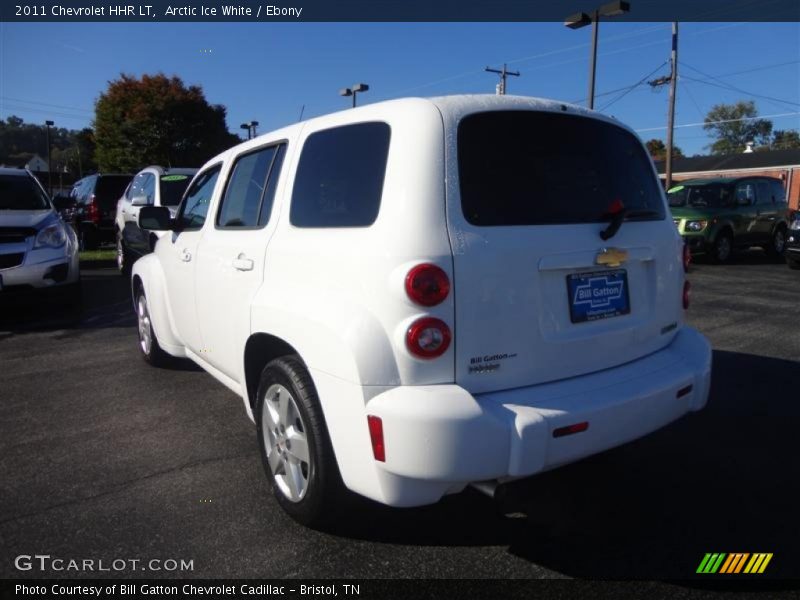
(143, 316)
(723, 248)
(779, 241)
(286, 442)
(120, 255)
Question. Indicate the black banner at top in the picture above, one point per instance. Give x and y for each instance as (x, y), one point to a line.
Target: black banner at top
(395, 10)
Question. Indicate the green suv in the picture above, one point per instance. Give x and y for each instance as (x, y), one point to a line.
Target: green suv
(714, 216)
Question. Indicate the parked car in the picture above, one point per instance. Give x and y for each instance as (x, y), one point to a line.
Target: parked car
(65, 205)
(38, 251)
(793, 242)
(95, 206)
(715, 216)
(417, 295)
(152, 186)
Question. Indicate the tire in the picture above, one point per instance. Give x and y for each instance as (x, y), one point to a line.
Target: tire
(722, 249)
(777, 245)
(295, 447)
(123, 257)
(148, 342)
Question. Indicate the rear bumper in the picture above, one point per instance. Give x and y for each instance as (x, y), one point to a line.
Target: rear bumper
(440, 438)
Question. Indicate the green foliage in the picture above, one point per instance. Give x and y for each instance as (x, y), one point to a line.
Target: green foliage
(785, 139)
(725, 123)
(19, 141)
(157, 120)
(658, 149)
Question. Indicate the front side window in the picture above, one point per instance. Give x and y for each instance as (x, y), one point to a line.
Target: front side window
(745, 193)
(339, 181)
(246, 195)
(195, 205)
(778, 193)
(21, 193)
(541, 168)
(764, 192)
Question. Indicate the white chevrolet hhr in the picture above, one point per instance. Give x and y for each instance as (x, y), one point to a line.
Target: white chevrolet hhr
(422, 294)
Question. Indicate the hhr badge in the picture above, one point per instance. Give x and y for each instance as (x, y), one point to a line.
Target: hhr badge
(611, 257)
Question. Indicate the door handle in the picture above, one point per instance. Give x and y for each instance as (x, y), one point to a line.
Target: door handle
(242, 263)
(186, 256)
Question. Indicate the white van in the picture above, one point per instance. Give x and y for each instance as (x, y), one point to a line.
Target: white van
(422, 294)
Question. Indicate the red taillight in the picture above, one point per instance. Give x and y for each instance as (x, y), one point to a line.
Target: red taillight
(427, 285)
(570, 429)
(428, 338)
(687, 257)
(376, 437)
(93, 210)
(686, 289)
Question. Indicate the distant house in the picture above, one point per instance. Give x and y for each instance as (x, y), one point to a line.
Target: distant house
(783, 164)
(27, 160)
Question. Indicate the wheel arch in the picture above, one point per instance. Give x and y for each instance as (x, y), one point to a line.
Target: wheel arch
(260, 349)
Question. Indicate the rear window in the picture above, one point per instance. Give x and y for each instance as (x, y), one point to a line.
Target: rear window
(710, 195)
(339, 179)
(110, 188)
(21, 193)
(172, 188)
(538, 168)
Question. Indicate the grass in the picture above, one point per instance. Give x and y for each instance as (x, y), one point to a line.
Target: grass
(107, 254)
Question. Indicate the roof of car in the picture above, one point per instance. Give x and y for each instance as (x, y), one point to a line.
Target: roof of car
(172, 170)
(13, 171)
(722, 180)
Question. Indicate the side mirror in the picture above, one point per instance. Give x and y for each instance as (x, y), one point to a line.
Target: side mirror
(155, 218)
(140, 201)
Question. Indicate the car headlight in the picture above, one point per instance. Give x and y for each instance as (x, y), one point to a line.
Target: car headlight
(695, 225)
(795, 224)
(52, 236)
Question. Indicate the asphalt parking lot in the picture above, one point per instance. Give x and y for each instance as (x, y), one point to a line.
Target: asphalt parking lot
(104, 457)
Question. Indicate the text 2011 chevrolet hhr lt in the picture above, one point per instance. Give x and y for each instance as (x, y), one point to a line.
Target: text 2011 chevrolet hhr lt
(421, 294)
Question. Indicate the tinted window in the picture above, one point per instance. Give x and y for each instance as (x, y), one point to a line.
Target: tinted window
(764, 192)
(195, 205)
(172, 188)
(778, 192)
(110, 188)
(136, 189)
(21, 193)
(708, 195)
(247, 186)
(339, 179)
(745, 193)
(535, 168)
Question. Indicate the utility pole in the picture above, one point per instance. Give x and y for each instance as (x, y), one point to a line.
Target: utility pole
(673, 82)
(504, 73)
(672, 79)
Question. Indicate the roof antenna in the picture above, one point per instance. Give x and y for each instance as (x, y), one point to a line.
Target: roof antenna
(302, 110)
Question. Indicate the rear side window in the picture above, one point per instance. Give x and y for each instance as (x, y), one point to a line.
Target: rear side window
(251, 188)
(339, 179)
(764, 192)
(778, 195)
(537, 168)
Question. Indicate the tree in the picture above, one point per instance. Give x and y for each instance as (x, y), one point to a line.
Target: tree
(19, 141)
(785, 139)
(157, 120)
(658, 150)
(734, 125)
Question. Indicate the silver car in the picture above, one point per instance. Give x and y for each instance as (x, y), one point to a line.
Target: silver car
(38, 251)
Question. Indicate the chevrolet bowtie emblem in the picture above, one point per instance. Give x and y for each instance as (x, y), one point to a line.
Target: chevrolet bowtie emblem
(611, 257)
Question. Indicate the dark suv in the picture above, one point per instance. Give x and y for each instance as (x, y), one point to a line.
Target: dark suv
(714, 216)
(95, 208)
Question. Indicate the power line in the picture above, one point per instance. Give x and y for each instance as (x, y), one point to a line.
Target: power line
(732, 87)
(775, 116)
(24, 101)
(633, 87)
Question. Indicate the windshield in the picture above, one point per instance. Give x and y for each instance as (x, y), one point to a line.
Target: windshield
(710, 195)
(172, 188)
(21, 193)
(539, 168)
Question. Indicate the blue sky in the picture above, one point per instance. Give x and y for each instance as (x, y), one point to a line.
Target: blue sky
(269, 72)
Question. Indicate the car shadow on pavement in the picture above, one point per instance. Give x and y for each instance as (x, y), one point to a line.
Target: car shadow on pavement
(721, 480)
(105, 302)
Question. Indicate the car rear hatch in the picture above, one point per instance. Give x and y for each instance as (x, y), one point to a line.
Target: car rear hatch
(539, 295)
(108, 191)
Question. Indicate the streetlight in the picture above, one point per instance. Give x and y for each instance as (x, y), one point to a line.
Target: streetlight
(359, 87)
(251, 129)
(49, 124)
(578, 20)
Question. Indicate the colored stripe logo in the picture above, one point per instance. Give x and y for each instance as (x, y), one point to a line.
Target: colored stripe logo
(737, 562)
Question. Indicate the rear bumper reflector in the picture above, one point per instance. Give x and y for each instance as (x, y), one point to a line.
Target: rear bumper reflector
(376, 437)
(570, 429)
